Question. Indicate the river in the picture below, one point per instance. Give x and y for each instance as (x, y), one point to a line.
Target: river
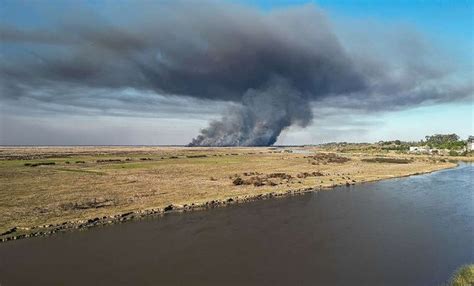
(406, 231)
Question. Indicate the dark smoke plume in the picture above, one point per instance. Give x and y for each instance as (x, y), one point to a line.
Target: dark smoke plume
(272, 65)
(264, 113)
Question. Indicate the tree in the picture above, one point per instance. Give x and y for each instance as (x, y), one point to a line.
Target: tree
(444, 141)
(453, 153)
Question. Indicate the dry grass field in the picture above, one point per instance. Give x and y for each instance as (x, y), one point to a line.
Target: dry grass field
(52, 185)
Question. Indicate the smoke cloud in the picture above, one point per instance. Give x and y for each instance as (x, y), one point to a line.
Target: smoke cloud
(273, 66)
(264, 113)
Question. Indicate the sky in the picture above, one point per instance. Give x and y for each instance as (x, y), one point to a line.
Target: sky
(214, 73)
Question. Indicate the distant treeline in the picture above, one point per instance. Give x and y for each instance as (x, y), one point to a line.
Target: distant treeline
(438, 141)
(449, 141)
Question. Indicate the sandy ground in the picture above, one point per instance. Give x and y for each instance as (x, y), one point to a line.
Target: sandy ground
(94, 182)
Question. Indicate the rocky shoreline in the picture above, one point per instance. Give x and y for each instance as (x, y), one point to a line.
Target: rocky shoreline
(17, 233)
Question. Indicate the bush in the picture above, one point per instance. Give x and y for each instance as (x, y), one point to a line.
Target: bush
(387, 160)
(108, 160)
(40, 164)
(306, 174)
(196, 156)
(238, 181)
(283, 176)
(453, 153)
(464, 276)
(328, 158)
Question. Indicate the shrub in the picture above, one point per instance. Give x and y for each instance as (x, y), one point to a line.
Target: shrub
(196, 156)
(257, 181)
(283, 176)
(453, 153)
(238, 181)
(108, 160)
(328, 158)
(306, 174)
(387, 160)
(464, 276)
(40, 164)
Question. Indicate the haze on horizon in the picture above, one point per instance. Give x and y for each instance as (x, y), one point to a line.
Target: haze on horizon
(233, 73)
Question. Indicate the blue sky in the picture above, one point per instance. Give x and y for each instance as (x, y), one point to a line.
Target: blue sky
(449, 22)
(446, 24)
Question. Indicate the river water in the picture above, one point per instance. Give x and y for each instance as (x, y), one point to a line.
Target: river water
(407, 231)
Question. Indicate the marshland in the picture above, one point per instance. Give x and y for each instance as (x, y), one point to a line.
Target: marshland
(50, 189)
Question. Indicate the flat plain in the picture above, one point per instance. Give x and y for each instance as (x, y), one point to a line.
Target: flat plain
(43, 186)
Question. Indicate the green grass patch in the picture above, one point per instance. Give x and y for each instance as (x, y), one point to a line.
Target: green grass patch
(137, 165)
(11, 163)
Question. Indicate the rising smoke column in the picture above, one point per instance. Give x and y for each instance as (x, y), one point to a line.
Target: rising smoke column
(293, 59)
(261, 117)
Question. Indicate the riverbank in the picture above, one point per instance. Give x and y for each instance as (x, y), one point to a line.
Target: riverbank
(409, 231)
(55, 189)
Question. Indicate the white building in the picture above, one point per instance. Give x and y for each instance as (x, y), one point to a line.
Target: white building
(419, 149)
(470, 143)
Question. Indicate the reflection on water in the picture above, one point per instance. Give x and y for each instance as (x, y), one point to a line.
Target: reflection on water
(410, 231)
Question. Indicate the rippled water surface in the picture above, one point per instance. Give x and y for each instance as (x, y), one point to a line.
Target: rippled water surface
(409, 231)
